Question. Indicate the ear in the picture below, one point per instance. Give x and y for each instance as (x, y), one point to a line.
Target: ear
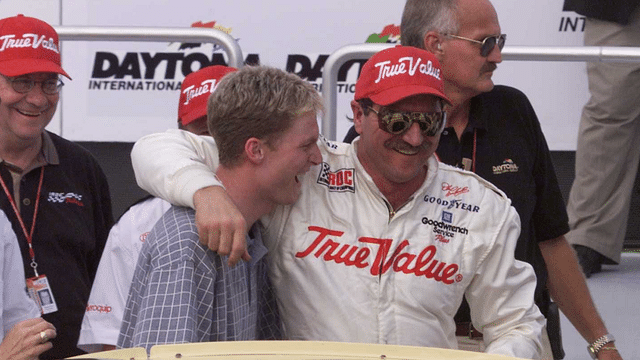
(254, 150)
(358, 116)
(433, 42)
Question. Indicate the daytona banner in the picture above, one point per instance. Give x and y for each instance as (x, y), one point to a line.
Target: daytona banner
(123, 90)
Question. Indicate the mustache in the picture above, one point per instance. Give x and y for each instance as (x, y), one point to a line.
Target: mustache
(402, 146)
(489, 67)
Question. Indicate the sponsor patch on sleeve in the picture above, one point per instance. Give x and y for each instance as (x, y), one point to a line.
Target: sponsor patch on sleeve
(341, 180)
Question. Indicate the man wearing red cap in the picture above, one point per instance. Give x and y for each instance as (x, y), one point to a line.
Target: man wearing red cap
(54, 192)
(103, 317)
(384, 241)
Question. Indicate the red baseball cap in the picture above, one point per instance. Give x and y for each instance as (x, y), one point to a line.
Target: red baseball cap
(28, 45)
(399, 72)
(195, 91)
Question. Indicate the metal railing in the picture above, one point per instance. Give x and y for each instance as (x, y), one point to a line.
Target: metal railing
(523, 53)
(336, 59)
(151, 34)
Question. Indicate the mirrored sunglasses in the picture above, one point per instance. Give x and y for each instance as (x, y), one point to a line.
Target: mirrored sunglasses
(398, 122)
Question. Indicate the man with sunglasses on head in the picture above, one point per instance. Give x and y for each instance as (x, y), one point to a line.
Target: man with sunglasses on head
(53, 191)
(494, 132)
(384, 241)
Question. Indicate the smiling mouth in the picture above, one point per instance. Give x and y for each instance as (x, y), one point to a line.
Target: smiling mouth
(408, 152)
(30, 114)
(405, 149)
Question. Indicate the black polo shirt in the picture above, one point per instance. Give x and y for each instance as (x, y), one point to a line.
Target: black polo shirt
(72, 225)
(511, 152)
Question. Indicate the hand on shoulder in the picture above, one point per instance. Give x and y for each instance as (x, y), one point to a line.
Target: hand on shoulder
(221, 226)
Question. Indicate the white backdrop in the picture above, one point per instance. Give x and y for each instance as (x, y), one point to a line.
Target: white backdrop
(122, 91)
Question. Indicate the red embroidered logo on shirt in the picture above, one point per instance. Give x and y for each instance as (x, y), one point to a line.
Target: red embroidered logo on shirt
(452, 190)
(99, 308)
(424, 264)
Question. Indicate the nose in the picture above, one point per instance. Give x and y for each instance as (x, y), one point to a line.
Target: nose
(495, 56)
(316, 157)
(37, 97)
(413, 136)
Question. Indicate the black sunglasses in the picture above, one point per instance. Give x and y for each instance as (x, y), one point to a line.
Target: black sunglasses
(487, 44)
(398, 122)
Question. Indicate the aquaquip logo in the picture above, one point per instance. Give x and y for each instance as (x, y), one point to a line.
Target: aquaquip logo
(102, 309)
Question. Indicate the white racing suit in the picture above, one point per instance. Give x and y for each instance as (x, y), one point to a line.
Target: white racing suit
(345, 268)
(108, 298)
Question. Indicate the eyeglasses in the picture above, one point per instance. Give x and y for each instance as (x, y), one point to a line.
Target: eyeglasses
(398, 122)
(23, 85)
(487, 43)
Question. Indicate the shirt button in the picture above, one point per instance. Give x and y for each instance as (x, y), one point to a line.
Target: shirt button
(26, 202)
(445, 133)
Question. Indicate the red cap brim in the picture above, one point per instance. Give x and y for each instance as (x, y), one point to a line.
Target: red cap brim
(19, 67)
(397, 93)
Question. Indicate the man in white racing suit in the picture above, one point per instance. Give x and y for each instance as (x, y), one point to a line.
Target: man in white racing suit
(384, 241)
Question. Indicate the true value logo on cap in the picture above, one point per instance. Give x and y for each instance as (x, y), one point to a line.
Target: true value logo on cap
(406, 64)
(206, 87)
(28, 40)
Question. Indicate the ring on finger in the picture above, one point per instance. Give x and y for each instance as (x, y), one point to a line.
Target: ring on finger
(43, 336)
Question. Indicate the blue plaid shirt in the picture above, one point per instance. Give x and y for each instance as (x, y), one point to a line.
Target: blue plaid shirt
(182, 292)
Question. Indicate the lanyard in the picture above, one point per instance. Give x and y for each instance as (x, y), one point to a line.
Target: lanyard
(473, 156)
(28, 236)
